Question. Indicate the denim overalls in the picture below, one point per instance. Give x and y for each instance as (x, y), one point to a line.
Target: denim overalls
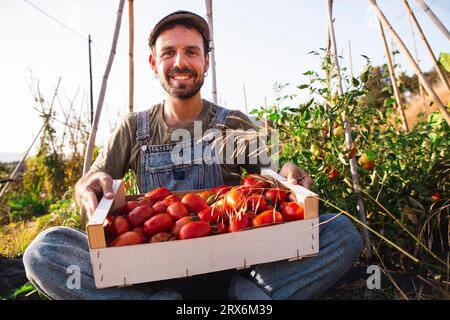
(158, 168)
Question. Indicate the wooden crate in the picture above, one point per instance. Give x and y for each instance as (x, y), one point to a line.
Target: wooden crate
(128, 265)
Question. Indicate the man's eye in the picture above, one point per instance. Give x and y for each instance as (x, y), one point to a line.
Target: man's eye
(191, 52)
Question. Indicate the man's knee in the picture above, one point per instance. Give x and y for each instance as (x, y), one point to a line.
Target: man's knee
(345, 232)
(40, 251)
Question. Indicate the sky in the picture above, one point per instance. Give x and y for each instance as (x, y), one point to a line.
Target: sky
(258, 43)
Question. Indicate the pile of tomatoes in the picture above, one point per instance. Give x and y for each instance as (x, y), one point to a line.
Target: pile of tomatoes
(162, 216)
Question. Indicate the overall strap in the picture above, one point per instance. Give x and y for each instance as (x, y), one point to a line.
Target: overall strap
(219, 118)
(143, 125)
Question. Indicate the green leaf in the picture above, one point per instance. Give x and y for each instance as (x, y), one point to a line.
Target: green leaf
(371, 155)
(303, 86)
(389, 102)
(355, 82)
(26, 288)
(444, 60)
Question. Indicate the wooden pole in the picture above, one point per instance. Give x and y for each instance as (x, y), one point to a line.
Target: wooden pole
(416, 52)
(209, 15)
(393, 79)
(91, 142)
(350, 57)
(131, 53)
(90, 81)
(411, 60)
(245, 98)
(348, 137)
(427, 45)
(435, 19)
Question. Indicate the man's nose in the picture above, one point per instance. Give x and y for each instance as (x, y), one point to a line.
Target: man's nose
(180, 60)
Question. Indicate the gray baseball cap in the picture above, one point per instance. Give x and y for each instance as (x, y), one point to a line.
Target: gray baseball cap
(189, 17)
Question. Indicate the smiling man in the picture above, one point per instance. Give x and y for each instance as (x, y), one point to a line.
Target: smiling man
(146, 142)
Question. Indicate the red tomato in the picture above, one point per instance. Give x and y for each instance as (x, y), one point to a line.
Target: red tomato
(282, 205)
(140, 231)
(194, 203)
(160, 206)
(107, 226)
(209, 214)
(369, 165)
(256, 181)
(257, 203)
(220, 191)
(139, 215)
(234, 200)
(126, 208)
(180, 223)
(118, 226)
(172, 198)
(330, 172)
(293, 211)
(224, 217)
(208, 196)
(436, 196)
(267, 217)
(177, 210)
(277, 196)
(251, 215)
(160, 222)
(126, 239)
(238, 222)
(219, 227)
(162, 236)
(158, 194)
(194, 229)
(148, 202)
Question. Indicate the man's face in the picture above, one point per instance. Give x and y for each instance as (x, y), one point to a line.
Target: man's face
(180, 61)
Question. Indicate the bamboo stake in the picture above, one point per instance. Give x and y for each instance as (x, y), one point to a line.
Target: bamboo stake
(411, 60)
(245, 98)
(348, 138)
(209, 14)
(393, 79)
(427, 45)
(90, 82)
(435, 19)
(350, 57)
(131, 52)
(91, 142)
(416, 52)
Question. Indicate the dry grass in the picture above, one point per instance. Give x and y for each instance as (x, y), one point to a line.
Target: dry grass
(16, 236)
(417, 109)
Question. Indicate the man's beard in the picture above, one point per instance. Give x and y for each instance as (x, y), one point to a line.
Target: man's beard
(182, 91)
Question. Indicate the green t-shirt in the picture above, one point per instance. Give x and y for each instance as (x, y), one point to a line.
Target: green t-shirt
(122, 151)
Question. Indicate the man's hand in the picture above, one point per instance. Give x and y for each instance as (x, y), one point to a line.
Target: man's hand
(295, 175)
(90, 187)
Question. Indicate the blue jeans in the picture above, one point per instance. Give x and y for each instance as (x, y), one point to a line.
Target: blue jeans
(49, 256)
